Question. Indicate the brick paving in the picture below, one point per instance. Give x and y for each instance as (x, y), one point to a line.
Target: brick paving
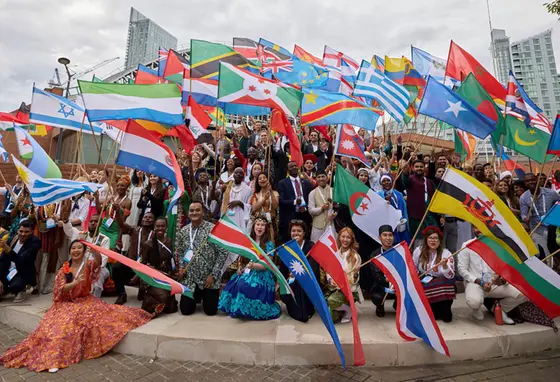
(122, 368)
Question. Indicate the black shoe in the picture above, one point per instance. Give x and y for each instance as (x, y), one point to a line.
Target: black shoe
(380, 311)
(121, 300)
(141, 293)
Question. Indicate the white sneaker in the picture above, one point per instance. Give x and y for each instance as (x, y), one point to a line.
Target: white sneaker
(20, 297)
(506, 319)
(346, 319)
(53, 370)
(478, 314)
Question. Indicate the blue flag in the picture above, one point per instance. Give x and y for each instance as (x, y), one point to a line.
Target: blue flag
(304, 74)
(291, 255)
(552, 217)
(554, 143)
(442, 103)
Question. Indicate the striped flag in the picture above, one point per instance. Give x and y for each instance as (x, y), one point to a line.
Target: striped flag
(465, 144)
(247, 47)
(46, 191)
(372, 83)
(204, 92)
(521, 106)
(175, 67)
(415, 318)
(41, 163)
(199, 120)
(158, 103)
(332, 57)
(269, 51)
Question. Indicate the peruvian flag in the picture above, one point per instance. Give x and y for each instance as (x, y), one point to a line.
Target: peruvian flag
(199, 120)
(326, 253)
(350, 144)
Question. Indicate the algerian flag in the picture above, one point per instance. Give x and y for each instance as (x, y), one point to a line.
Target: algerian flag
(369, 210)
(242, 87)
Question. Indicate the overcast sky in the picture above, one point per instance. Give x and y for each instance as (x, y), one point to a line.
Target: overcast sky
(34, 33)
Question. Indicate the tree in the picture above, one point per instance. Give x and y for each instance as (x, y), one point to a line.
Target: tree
(553, 7)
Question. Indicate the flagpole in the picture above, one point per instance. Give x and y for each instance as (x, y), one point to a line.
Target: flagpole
(535, 194)
(94, 139)
(78, 135)
(109, 194)
(112, 148)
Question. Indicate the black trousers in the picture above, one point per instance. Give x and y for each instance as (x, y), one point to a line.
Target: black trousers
(18, 283)
(209, 298)
(442, 310)
(121, 276)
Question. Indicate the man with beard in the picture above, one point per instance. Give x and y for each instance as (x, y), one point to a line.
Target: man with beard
(294, 199)
(419, 191)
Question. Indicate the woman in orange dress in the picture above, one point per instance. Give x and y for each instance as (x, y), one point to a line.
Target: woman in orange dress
(78, 325)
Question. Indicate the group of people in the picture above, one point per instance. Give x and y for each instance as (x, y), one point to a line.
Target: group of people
(250, 177)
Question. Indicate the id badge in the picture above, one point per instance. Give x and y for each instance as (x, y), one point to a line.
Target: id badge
(268, 217)
(291, 280)
(230, 212)
(12, 273)
(172, 263)
(188, 256)
(50, 223)
(109, 222)
(427, 279)
(174, 210)
(247, 271)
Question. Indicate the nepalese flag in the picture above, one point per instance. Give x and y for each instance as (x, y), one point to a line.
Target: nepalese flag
(148, 274)
(269, 51)
(554, 143)
(162, 60)
(145, 75)
(247, 47)
(415, 318)
(40, 162)
(320, 107)
(304, 74)
(521, 106)
(142, 150)
(349, 144)
(303, 55)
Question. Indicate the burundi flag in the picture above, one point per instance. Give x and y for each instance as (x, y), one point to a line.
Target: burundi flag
(466, 198)
(207, 56)
(242, 87)
(369, 210)
(532, 277)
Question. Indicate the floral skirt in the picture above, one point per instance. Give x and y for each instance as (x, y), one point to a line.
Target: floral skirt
(250, 295)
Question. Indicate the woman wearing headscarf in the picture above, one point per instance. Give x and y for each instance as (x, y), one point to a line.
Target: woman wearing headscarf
(396, 199)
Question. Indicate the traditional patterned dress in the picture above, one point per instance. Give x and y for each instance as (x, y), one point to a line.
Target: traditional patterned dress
(334, 296)
(251, 294)
(77, 326)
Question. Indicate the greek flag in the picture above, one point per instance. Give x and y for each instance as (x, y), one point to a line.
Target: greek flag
(372, 83)
(46, 191)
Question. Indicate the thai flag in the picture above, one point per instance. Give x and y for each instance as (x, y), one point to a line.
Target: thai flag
(414, 315)
(142, 150)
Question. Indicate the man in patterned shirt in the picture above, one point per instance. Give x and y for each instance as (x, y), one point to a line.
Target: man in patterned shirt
(200, 263)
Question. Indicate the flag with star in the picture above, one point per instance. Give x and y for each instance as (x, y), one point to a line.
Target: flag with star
(304, 74)
(242, 87)
(442, 103)
(40, 162)
(294, 259)
(349, 144)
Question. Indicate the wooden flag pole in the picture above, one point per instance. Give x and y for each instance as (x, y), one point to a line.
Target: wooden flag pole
(535, 194)
(109, 192)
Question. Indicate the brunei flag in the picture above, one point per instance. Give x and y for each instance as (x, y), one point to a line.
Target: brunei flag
(466, 198)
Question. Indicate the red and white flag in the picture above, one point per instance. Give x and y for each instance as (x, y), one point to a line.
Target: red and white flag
(350, 144)
(326, 253)
(199, 120)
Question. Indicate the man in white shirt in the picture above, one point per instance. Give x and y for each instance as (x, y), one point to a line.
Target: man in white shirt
(320, 207)
(481, 281)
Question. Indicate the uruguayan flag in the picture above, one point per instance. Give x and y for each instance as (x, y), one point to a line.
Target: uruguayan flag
(372, 83)
(46, 191)
(53, 110)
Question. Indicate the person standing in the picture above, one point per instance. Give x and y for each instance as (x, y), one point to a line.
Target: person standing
(397, 200)
(321, 207)
(152, 197)
(294, 199)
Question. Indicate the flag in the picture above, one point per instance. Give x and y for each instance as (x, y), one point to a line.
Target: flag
(334, 80)
(162, 60)
(521, 106)
(326, 254)
(148, 274)
(145, 75)
(273, 67)
(415, 318)
(3, 151)
(554, 142)
(378, 63)
(41, 163)
(7, 121)
(159, 103)
(46, 191)
(369, 211)
(442, 103)
(466, 198)
(269, 51)
(53, 110)
(96, 79)
(372, 83)
(246, 47)
(509, 163)
(334, 58)
(204, 92)
(142, 150)
(304, 74)
(229, 236)
(175, 67)
(291, 255)
(475, 95)
(188, 141)
(460, 64)
(303, 55)
(320, 107)
(465, 144)
(532, 277)
(217, 114)
(279, 122)
(428, 65)
(207, 56)
(395, 69)
(198, 119)
(242, 87)
(532, 142)
(349, 144)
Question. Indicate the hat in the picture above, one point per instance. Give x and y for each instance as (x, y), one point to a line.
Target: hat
(385, 176)
(504, 174)
(368, 154)
(310, 157)
(363, 169)
(320, 172)
(385, 228)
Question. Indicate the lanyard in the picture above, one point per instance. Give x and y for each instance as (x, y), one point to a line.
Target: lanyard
(140, 239)
(192, 237)
(425, 190)
(543, 205)
(323, 196)
(206, 196)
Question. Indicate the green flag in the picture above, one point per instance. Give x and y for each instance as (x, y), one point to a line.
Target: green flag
(206, 57)
(531, 142)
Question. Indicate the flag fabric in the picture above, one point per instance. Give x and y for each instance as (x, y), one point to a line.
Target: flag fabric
(175, 67)
(229, 236)
(239, 109)
(291, 255)
(217, 114)
(349, 144)
(326, 254)
(428, 65)
(41, 163)
(390, 95)
(148, 274)
(279, 122)
(246, 47)
(207, 56)
(273, 67)
(145, 75)
(3, 151)
(554, 142)
(415, 318)
(465, 144)
(538, 282)
(368, 210)
(332, 57)
(509, 163)
(472, 91)
(198, 119)
(159, 103)
(7, 121)
(334, 80)
(56, 111)
(460, 64)
(442, 103)
(242, 87)
(162, 61)
(521, 106)
(94, 78)
(269, 51)
(321, 107)
(466, 198)
(378, 63)
(552, 217)
(188, 141)
(142, 150)
(532, 142)
(204, 92)
(46, 191)
(395, 69)
(304, 74)
(303, 55)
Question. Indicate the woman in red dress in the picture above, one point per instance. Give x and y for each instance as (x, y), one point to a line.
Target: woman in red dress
(78, 325)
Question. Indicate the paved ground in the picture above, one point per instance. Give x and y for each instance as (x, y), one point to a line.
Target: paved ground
(120, 368)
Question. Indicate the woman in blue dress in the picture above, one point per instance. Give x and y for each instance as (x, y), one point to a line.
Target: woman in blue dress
(250, 292)
(396, 199)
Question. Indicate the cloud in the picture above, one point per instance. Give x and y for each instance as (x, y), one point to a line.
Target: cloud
(35, 33)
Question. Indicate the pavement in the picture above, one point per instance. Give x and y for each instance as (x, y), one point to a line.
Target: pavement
(115, 367)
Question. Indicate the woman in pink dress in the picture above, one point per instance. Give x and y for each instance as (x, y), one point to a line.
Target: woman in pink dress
(78, 325)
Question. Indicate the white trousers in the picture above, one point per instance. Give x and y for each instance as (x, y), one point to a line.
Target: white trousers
(509, 296)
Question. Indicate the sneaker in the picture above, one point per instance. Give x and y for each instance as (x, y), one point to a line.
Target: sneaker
(507, 320)
(347, 318)
(478, 314)
(20, 297)
(121, 300)
(53, 370)
(380, 311)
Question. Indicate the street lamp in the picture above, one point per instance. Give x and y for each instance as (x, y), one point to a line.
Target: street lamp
(63, 61)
